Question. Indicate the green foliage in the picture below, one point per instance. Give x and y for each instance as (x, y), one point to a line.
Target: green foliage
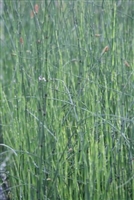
(67, 99)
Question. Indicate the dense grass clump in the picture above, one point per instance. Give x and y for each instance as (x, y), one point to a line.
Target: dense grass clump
(67, 99)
